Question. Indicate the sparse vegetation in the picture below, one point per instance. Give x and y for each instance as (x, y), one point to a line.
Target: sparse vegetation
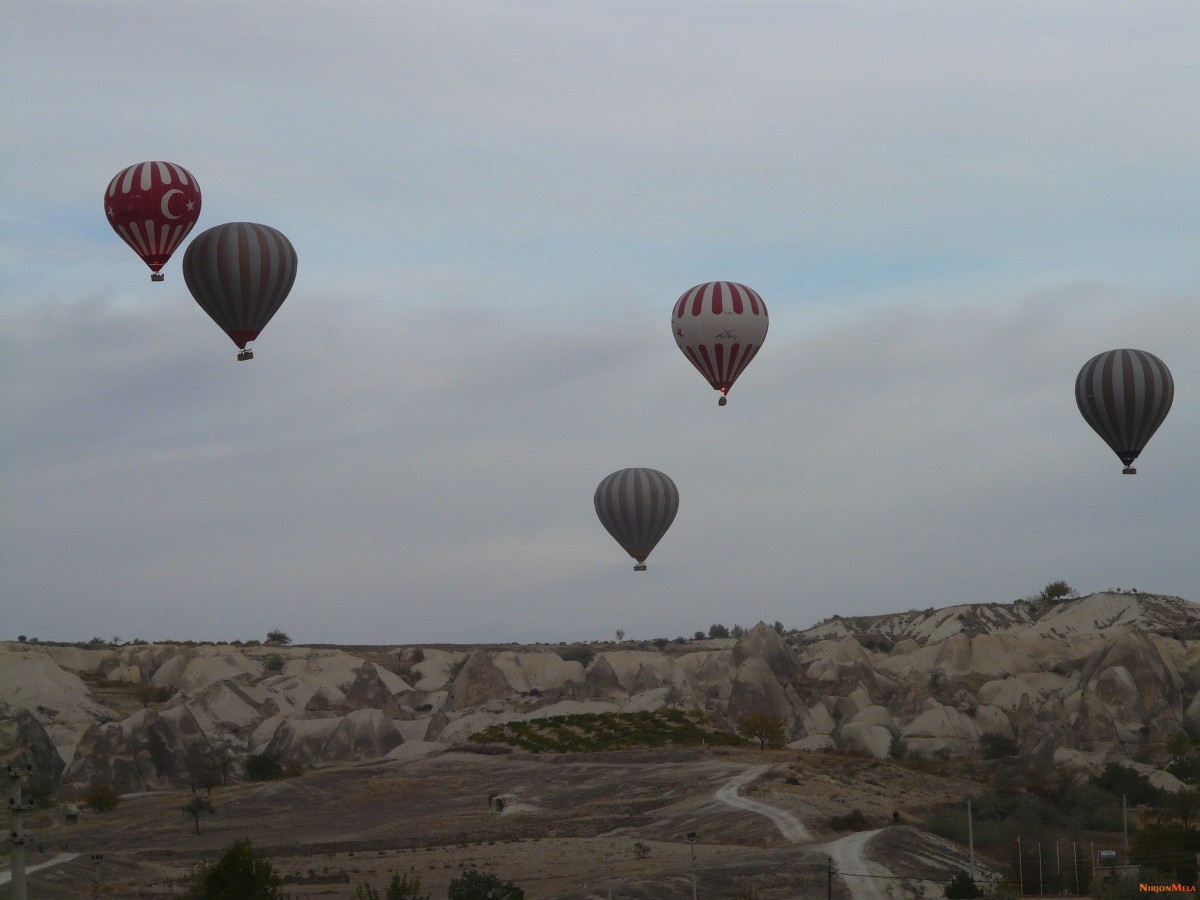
(273, 663)
(277, 637)
(586, 733)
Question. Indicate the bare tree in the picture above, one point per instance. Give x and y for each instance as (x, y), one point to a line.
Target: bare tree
(196, 807)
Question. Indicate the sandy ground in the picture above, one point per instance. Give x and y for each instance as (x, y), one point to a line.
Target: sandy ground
(570, 832)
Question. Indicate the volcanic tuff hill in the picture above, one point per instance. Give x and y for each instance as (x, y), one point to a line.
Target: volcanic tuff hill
(1079, 681)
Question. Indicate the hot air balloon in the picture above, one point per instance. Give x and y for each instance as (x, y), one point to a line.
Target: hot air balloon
(153, 206)
(637, 506)
(240, 274)
(720, 326)
(1125, 395)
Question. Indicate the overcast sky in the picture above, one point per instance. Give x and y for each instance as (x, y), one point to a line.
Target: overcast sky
(948, 207)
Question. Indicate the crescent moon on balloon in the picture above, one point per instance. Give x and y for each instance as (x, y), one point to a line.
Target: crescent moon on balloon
(166, 203)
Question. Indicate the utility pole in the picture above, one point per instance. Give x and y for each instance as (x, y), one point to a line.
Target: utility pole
(17, 838)
(971, 838)
(829, 879)
(1020, 870)
(1075, 857)
(1041, 881)
(608, 866)
(96, 857)
(1125, 820)
(692, 838)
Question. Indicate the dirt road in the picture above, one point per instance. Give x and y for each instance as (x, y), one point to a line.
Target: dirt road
(6, 875)
(789, 826)
(864, 879)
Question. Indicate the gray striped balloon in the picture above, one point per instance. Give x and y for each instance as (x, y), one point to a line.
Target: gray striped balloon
(1125, 395)
(637, 506)
(240, 273)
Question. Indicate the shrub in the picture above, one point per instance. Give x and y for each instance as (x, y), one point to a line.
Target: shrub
(240, 874)
(854, 820)
(476, 885)
(273, 663)
(278, 637)
(101, 798)
(962, 887)
(265, 766)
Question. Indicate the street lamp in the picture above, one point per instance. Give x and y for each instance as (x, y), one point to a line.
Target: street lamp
(692, 838)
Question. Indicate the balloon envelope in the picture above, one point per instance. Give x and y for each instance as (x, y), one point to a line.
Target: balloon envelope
(240, 274)
(153, 206)
(720, 326)
(637, 506)
(1124, 395)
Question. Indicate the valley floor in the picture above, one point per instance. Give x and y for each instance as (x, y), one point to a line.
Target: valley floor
(569, 829)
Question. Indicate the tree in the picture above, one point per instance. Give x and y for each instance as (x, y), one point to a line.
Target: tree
(101, 798)
(717, 630)
(197, 807)
(400, 888)
(265, 766)
(764, 727)
(278, 637)
(1057, 590)
(240, 874)
(620, 635)
(476, 885)
(148, 694)
(962, 887)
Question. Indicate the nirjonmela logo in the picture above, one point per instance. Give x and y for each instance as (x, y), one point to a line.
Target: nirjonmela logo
(1166, 888)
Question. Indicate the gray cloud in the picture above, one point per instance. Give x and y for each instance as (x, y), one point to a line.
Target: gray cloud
(947, 207)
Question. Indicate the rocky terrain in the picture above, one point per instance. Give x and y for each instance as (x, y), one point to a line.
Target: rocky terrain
(1080, 681)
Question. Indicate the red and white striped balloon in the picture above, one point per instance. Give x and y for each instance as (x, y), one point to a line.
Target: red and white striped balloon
(720, 326)
(153, 206)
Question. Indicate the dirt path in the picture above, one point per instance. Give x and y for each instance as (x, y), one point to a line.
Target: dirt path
(789, 826)
(850, 863)
(849, 854)
(6, 876)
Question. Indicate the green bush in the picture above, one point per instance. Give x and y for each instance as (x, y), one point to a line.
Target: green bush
(476, 885)
(240, 874)
(101, 798)
(265, 766)
(854, 820)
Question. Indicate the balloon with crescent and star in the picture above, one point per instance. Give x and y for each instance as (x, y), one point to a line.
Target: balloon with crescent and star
(240, 273)
(153, 206)
(1125, 395)
(637, 506)
(720, 327)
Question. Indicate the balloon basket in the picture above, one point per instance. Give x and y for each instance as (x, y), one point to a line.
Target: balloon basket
(641, 567)
(244, 355)
(158, 276)
(722, 401)
(1129, 470)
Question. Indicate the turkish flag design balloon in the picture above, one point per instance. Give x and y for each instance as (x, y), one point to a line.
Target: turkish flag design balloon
(720, 326)
(153, 206)
(240, 273)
